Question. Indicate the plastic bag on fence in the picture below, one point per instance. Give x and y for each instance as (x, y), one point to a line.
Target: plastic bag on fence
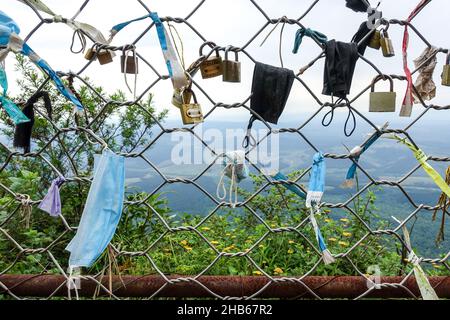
(102, 211)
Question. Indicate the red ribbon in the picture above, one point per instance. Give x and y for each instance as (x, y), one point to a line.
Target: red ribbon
(408, 100)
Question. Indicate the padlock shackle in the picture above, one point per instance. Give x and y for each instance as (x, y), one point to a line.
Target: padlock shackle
(189, 89)
(209, 43)
(386, 28)
(383, 77)
(447, 61)
(227, 49)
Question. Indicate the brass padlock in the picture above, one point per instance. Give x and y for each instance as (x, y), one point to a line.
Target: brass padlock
(382, 101)
(212, 66)
(104, 56)
(129, 63)
(386, 45)
(191, 113)
(375, 40)
(90, 54)
(446, 72)
(181, 96)
(231, 69)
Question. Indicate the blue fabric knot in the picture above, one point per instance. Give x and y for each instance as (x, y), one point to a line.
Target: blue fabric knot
(302, 32)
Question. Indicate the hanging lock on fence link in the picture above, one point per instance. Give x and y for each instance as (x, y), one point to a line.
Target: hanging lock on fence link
(382, 101)
(191, 113)
(386, 44)
(375, 40)
(129, 63)
(446, 72)
(231, 69)
(212, 66)
(104, 56)
(181, 96)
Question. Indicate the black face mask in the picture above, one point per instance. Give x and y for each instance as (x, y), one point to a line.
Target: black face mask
(357, 5)
(270, 91)
(22, 134)
(340, 65)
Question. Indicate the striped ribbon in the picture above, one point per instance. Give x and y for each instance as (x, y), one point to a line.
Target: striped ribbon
(176, 71)
(408, 100)
(14, 43)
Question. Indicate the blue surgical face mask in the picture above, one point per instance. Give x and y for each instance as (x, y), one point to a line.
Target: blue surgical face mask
(102, 211)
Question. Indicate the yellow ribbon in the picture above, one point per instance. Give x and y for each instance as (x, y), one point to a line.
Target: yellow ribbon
(422, 158)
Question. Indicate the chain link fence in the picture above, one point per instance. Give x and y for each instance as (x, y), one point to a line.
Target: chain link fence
(51, 277)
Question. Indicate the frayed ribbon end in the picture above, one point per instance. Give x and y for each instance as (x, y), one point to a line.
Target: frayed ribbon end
(327, 257)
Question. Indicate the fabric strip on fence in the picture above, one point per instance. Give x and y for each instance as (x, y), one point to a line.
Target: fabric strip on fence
(422, 158)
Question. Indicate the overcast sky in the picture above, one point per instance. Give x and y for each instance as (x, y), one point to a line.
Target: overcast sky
(233, 22)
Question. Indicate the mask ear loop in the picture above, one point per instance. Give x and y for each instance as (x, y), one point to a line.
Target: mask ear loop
(71, 285)
(249, 139)
(351, 116)
(330, 113)
(233, 184)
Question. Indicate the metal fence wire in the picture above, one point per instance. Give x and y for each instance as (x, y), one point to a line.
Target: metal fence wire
(44, 284)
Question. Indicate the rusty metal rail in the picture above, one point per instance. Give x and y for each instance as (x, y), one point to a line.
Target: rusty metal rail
(332, 287)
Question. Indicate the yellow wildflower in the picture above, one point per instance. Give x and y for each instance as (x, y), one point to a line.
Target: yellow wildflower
(261, 246)
(188, 248)
(184, 242)
(346, 234)
(214, 242)
(291, 241)
(343, 243)
(290, 251)
(332, 239)
(327, 220)
(345, 220)
(278, 270)
(206, 228)
(257, 273)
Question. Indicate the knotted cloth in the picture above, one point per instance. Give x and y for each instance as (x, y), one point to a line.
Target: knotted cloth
(302, 32)
(52, 200)
(424, 84)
